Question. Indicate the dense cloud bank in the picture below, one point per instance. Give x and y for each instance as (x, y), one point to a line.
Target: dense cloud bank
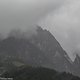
(64, 23)
(24, 14)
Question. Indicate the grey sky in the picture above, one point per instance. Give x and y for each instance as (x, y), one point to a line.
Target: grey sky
(24, 14)
(64, 23)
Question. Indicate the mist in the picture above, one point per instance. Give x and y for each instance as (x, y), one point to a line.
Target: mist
(24, 14)
(64, 24)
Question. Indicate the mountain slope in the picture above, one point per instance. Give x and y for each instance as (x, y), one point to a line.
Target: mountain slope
(20, 50)
(41, 49)
(58, 58)
(76, 65)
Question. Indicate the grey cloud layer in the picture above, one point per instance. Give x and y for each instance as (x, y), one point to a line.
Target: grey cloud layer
(24, 13)
(65, 25)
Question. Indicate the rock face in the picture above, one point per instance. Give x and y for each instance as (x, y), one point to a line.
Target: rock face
(20, 50)
(57, 57)
(41, 49)
(76, 65)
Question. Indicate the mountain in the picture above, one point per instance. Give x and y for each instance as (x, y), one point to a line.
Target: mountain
(58, 58)
(38, 73)
(77, 60)
(41, 49)
(14, 51)
(76, 65)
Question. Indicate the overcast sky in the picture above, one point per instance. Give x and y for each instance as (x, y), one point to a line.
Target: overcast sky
(61, 17)
(64, 23)
(24, 14)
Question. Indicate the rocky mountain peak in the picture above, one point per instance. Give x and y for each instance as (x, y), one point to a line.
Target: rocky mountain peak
(41, 49)
(77, 59)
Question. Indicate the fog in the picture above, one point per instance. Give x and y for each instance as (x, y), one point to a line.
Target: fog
(64, 24)
(24, 14)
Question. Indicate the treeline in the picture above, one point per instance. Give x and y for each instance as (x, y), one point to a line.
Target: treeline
(38, 73)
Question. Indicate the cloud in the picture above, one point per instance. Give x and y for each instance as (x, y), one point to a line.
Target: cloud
(24, 14)
(65, 25)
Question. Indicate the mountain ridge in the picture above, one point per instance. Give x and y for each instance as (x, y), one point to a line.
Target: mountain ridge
(41, 49)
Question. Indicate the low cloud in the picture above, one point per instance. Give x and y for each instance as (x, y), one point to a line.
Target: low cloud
(24, 14)
(64, 23)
